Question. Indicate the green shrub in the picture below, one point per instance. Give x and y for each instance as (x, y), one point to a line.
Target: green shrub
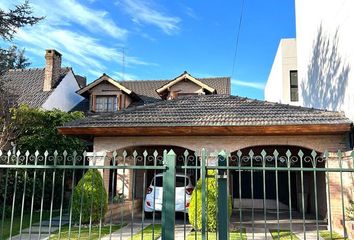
(91, 192)
(195, 207)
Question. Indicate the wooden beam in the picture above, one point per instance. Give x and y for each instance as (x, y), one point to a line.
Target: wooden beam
(319, 129)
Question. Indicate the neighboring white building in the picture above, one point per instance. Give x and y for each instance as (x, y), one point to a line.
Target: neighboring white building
(325, 57)
(325, 50)
(282, 85)
(48, 88)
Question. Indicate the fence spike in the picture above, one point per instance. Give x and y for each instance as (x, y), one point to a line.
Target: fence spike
(9, 153)
(36, 154)
(114, 154)
(0, 153)
(326, 153)
(145, 153)
(27, 153)
(186, 153)
(55, 153)
(288, 153)
(263, 153)
(222, 153)
(313, 154)
(155, 154)
(65, 153)
(135, 154)
(239, 153)
(171, 152)
(300, 153)
(339, 153)
(204, 152)
(46, 153)
(276, 153)
(18, 153)
(125, 153)
(251, 153)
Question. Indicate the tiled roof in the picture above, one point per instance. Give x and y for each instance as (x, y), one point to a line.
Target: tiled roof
(211, 110)
(27, 85)
(146, 89)
(80, 80)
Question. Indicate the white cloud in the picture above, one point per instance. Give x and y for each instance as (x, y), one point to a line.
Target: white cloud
(190, 12)
(124, 77)
(143, 12)
(80, 49)
(70, 11)
(256, 85)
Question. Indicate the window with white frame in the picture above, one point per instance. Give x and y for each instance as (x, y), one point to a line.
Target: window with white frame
(106, 104)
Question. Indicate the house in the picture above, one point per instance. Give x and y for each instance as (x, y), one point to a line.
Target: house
(194, 113)
(324, 56)
(50, 87)
(282, 84)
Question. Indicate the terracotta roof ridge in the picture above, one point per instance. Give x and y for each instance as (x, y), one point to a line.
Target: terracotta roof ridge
(143, 80)
(24, 69)
(161, 80)
(223, 77)
(34, 69)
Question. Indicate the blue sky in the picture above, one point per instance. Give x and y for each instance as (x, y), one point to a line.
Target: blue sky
(161, 38)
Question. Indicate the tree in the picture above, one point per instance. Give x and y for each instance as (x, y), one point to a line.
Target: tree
(16, 18)
(10, 22)
(13, 58)
(36, 129)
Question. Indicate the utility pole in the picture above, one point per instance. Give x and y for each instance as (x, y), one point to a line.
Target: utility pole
(123, 63)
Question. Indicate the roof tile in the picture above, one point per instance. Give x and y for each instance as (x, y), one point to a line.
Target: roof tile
(211, 110)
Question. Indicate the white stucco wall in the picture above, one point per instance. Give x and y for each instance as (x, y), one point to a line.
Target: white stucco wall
(278, 85)
(64, 96)
(325, 52)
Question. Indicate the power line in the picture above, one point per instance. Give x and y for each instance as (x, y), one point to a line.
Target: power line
(237, 38)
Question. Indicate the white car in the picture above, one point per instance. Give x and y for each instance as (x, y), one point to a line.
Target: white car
(184, 189)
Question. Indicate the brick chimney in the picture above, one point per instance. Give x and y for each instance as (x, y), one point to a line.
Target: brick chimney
(52, 69)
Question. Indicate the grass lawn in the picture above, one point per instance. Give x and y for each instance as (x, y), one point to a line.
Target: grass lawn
(25, 222)
(147, 233)
(234, 235)
(283, 235)
(84, 234)
(326, 235)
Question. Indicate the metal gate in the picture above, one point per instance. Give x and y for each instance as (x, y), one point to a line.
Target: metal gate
(115, 195)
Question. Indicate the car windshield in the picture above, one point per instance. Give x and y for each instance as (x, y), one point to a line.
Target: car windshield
(180, 181)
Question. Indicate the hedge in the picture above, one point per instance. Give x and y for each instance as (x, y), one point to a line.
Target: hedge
(91, 193)
(195, 207)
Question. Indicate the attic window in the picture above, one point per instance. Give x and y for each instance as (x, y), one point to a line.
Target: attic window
(106, 104)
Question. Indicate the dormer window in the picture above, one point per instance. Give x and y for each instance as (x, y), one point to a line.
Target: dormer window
(184, 84)
(106, 104)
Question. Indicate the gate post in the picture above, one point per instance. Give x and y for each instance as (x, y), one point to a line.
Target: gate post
(168, 198)
(223, 215)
